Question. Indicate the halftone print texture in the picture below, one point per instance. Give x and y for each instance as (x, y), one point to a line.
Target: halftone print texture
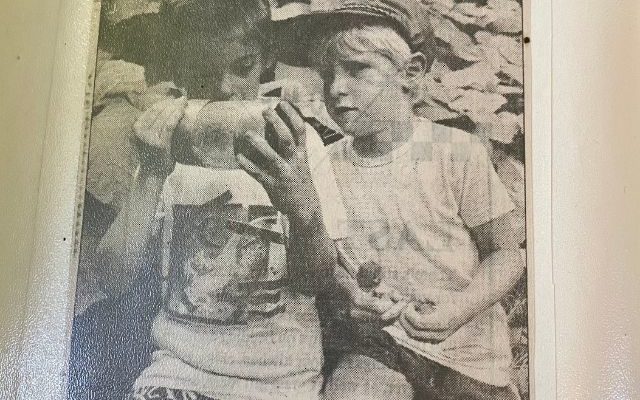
(299, 206)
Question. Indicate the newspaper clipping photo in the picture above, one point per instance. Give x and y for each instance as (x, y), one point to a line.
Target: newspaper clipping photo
(303, 199)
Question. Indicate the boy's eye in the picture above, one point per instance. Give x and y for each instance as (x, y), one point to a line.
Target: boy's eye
(355, 67)
(244, 65)
(326, 74)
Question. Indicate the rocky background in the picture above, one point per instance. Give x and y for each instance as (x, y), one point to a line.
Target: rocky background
(476, 84)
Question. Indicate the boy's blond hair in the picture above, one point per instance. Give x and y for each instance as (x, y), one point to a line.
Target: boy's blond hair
(364, 38)
(377, 39)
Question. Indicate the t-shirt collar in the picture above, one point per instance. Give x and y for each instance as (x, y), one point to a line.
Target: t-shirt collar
(398, 152)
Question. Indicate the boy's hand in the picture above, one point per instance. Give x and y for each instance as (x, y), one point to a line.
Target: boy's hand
(156, 93)
(382, 304)
(435, 316)
(153, 132)
(368, 307)
(279, 162)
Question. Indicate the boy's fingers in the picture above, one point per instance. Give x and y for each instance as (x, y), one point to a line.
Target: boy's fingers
(144, 137)
(144, 125)
(160, 121)
(397, 296)
(383, 290)
(294, 91)
(408, 327)
(171, 123)
(164, 119)
(434, 337)
(283, 145)
(362, 299)
(433, 296)
(414, 318)
(254, 170)
(257, 150)
(394, 312)
(151, 114)
(424, 321)
(373, 304)
(148, 118)
(291, 116)
(274, 119)
(282, 137)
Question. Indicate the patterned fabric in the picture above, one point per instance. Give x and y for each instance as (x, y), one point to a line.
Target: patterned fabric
(161, 393)
(228, 262)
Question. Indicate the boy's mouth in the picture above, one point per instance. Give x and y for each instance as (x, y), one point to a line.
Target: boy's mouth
(344, 109)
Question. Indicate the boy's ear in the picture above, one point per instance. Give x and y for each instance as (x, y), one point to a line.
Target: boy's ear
(415, 70)
(417, 66)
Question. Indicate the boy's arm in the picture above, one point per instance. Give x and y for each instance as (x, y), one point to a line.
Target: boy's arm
(125, 246)
(280, 163)
(439, 314)
(311, 255)
(124, 249)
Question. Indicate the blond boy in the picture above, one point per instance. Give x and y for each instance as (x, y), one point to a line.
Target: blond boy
(424, 203)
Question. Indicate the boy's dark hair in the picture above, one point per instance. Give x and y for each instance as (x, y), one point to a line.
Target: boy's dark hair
(150, 39)
(219, 17)
(249, 18)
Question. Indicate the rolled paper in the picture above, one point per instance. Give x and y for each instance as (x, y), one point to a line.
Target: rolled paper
(208, 129)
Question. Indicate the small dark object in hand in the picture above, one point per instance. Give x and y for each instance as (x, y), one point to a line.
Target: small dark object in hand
(369, 275)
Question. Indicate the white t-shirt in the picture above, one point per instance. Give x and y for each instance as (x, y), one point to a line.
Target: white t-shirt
(230, 327)
(410, 211)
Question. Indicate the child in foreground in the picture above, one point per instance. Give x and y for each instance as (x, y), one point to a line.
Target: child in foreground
(238, 319)
(424, 203)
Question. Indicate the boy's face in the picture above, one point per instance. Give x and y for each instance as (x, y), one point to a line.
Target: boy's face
(219, 67)
(363, 92)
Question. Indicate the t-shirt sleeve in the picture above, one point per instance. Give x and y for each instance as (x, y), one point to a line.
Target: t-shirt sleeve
(334, 213)
(483, 196)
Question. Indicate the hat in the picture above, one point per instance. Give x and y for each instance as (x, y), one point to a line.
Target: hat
(296, 20)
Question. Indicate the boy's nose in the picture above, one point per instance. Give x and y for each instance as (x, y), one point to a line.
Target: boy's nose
(226, 87)
(220, 88)
(338, 85)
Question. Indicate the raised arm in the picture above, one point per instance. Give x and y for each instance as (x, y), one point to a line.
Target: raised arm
(126, 247)
(280, 163)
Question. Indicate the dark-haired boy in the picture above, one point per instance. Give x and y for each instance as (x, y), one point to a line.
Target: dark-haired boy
(220, 50)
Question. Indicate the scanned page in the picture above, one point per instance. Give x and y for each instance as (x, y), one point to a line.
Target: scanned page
(302, 200)
(594, 192)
